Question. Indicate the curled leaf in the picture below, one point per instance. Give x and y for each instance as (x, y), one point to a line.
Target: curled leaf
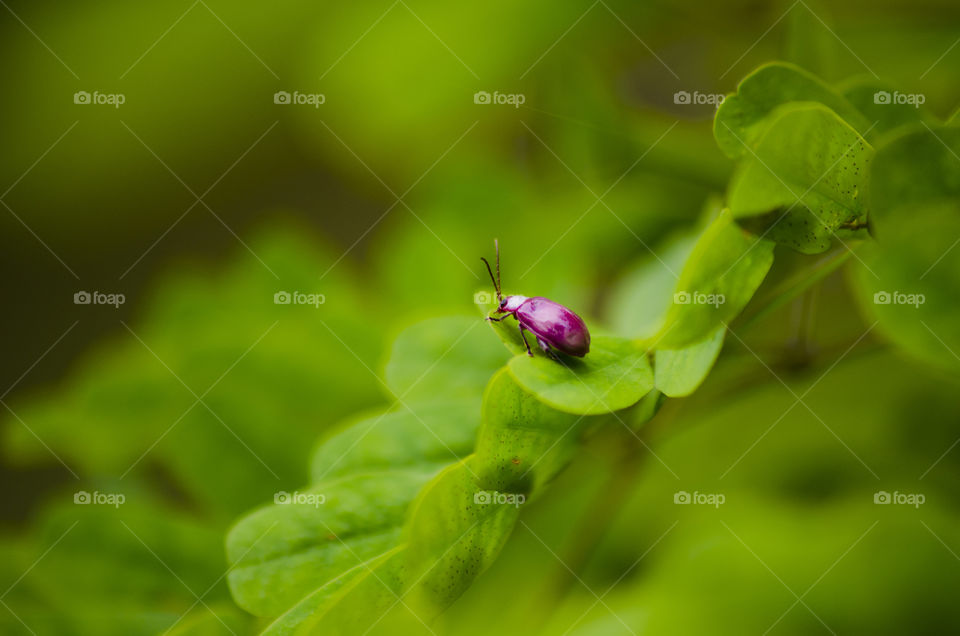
(804, 179)
(741, 117)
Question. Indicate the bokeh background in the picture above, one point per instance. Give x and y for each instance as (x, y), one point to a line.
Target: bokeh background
(200, 197)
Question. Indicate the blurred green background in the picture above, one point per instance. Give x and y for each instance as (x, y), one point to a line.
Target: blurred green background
(200, 197)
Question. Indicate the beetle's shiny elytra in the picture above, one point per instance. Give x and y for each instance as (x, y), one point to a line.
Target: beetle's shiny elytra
(553, 324)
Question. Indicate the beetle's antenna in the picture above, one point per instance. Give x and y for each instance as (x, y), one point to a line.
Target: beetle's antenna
(496, 245)
(495, 285)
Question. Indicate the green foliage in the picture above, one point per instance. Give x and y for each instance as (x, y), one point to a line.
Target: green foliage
(128, 421)
(406, 506)
(451, 539)
(680, 371)
(639, 301)
(402, 541)
(420, 499)
(357, 601)
(799, 485)
(192, 345)
(288, 549)
(909, 277)
(806, 177)
(915, 167)
(862, 92)
(394, 438)
(724, 269)
(523, 443)
(301, 560)
(614, 375)
(445, 353)
(742, 117)
(140, 538)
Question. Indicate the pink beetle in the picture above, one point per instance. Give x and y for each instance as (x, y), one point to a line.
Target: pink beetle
(553, 324)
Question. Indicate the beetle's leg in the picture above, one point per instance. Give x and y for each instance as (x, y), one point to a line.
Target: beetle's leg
(546, 348)
(523, 335)
(498, 319)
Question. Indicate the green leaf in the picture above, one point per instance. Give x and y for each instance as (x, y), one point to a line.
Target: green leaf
(450, 356)
(918, 166)
(639, 302)
(741, 117)
(879, 103)
(517, 448)
(910, 281)
(105, 574)
(723, 271)
(220, 619)
(453, 536)
(805, 178)
(349, 601)
(462, 519)
(643, 411)
(367, 473)
(678, 372)
(910, 278)
(285, 551)
(420, 434)
(456, 526)
(614, 375)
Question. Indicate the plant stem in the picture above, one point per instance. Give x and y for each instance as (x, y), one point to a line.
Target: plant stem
(599, 516)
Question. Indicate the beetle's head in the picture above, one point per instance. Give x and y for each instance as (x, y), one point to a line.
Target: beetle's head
(511, 303)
